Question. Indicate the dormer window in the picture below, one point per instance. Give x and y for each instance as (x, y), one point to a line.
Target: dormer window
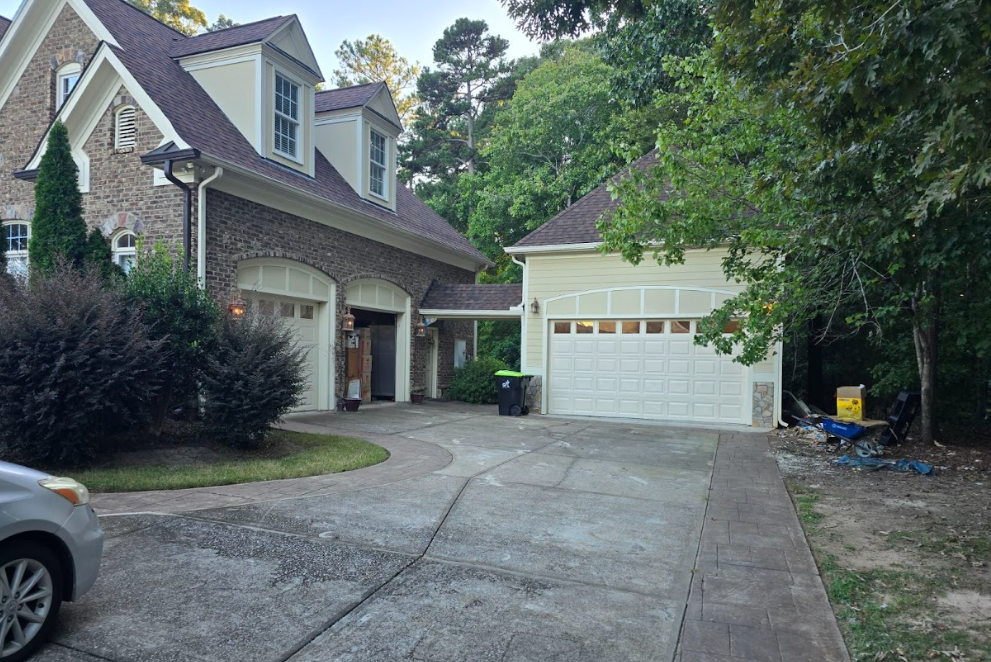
(377, 166)
(66, 81)
(286, 117)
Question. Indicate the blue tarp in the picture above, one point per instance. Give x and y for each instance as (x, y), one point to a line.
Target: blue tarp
(874, 464)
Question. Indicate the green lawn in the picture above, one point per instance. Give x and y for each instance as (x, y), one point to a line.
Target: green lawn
(296, 455)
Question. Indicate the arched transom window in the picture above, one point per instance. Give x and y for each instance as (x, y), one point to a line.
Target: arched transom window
(125, 250)
(16, 246)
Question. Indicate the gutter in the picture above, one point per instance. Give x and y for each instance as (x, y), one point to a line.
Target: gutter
(187, 211)
(218, 172)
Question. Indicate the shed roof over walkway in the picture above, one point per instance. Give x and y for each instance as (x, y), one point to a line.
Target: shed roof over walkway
(495, 301)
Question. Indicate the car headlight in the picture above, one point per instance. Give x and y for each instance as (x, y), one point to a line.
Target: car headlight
(70, 489)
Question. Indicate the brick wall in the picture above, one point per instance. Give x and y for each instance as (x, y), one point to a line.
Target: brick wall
(238, 229)
(29, 110)
(122, 194)
(122, 191)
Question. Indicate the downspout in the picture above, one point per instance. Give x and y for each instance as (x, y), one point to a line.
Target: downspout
(187, 213)
(201, 226)
(524, 359)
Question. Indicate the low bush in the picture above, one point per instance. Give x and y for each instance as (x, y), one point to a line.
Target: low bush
(253, 376)
(76, 365)
(475, 382)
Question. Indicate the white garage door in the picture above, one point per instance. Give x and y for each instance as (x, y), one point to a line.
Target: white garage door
(301, 316)
(641, 369)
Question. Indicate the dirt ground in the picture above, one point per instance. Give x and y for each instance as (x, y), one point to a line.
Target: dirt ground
(906, 558)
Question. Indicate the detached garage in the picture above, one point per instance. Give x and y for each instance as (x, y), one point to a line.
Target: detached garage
(606, 338)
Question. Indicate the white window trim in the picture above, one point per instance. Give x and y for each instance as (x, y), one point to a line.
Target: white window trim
(297, 121)
(384, 195)
(66, 71)
(117, 115)
(117, 252)
(17, 254)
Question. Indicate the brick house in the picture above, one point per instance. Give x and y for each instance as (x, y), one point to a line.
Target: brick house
(220, 146)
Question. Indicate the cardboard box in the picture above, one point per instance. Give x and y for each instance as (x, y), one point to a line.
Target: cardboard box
(850, 402)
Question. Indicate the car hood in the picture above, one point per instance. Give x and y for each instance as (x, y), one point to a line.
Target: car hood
(21, 476)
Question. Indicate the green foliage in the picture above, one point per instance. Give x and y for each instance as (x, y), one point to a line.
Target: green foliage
(181, 315)
(222, 23)
(98, 256)
(177, 14)
(254, 376)
(475, 382)
(58, 231)
(375, 59)
(500, 340)
(548, 146)
(468, 65)
(553, 19)
(76, 364)
(637, 49)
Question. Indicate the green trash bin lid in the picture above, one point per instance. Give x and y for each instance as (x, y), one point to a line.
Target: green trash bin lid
(510, 373)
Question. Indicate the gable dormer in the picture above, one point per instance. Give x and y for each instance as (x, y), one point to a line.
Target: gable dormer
(263, 76)
(357, 130)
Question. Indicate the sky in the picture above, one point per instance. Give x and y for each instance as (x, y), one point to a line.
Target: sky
(412, 27)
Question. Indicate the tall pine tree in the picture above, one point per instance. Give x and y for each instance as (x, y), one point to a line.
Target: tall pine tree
(58, 231)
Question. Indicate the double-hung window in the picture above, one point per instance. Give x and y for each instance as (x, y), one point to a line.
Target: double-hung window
(286, 117)
(377, 160)
(125, 251)
(16, 247)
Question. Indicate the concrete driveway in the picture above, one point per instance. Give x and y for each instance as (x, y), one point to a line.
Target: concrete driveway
(515, 540)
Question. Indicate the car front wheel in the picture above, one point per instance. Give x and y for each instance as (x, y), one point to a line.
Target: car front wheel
(30, 597)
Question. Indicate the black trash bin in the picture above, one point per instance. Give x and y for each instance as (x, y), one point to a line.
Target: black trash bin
(512, 392)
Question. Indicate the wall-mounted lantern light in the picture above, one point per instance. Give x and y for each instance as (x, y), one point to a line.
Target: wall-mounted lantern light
(535, 306)
(421, 329)
(237, 306)
(347, 322)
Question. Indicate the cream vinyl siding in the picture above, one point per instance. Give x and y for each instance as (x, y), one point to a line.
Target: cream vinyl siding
(552, 275)
(234, 88)
(338, 142)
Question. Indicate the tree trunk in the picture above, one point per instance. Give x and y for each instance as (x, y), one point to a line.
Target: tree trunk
(925, 332)
(814, 388)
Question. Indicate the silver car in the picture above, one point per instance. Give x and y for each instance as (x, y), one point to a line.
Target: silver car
(50, 549)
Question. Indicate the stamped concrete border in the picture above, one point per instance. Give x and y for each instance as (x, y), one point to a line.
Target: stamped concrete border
(756, 595)
(408, 458)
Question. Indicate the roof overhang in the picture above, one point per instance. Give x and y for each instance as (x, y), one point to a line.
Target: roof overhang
(258, 188)
(554, 248)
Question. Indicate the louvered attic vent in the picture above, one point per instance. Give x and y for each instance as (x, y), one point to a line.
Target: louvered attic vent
(126, 135)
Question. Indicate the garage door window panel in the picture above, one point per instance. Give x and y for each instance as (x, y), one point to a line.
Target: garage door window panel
(681, 326)
(631, 328)
(562, 328)
(584, 327)
(607, 327)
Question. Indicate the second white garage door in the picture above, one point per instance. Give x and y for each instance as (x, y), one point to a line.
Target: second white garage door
(301, 317)
(641, 369)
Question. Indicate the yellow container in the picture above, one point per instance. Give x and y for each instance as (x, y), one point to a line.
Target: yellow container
(850, 402)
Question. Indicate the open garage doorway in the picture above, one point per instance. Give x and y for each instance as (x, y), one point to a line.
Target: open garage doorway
(380, 350)
(375, 362)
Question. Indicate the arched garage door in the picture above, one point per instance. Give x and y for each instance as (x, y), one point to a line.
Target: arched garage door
(635, 365)
(302, 297)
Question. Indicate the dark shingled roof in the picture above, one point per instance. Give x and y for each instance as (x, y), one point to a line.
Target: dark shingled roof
(346, 97)
(239, 35)
(472, 297)
(145, 50)
(4, 24)
(576, 224)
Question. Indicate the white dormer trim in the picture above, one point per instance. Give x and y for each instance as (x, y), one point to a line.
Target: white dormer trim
(300, 41)
(31, 24)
